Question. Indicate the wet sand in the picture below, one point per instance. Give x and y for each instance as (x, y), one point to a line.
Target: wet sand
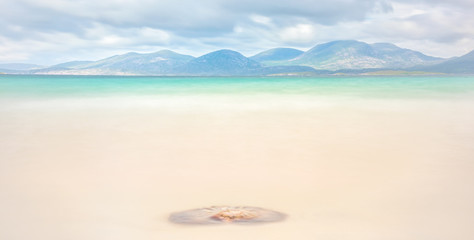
(340, 168)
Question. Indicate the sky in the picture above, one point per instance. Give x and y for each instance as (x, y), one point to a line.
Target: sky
(48, 32)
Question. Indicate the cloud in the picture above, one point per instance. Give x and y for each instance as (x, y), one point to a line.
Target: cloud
(181, 17)
(261, 19)
(462, 4)
(49, 29)
(301, 33)
(428, 26)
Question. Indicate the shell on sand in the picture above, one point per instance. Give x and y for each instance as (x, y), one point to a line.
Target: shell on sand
(226, 214)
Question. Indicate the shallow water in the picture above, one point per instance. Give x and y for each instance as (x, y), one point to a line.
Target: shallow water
(344, 158)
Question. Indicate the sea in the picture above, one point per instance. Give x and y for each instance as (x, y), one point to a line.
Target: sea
(343, 157)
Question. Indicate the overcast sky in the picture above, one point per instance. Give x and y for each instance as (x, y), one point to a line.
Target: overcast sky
(54, 31)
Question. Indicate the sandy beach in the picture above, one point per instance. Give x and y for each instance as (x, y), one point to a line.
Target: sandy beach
(341, 168)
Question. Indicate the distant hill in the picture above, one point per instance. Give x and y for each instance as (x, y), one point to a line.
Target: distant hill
(64, 68)
(459, 65)
(20, 66)
(352, 54)
(337, 57)
(73, 64)
(275, 55)
(159, 63)
(9, 71)
(222, 62)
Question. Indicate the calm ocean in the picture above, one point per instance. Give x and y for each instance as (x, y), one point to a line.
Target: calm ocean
(96, 86)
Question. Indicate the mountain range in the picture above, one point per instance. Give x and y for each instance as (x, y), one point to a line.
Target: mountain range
(359, 55)
(347, 56)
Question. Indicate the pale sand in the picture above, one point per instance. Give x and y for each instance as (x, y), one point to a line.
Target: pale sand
(353, 169)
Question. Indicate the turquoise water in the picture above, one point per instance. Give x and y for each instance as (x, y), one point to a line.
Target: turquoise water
(94, 86)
